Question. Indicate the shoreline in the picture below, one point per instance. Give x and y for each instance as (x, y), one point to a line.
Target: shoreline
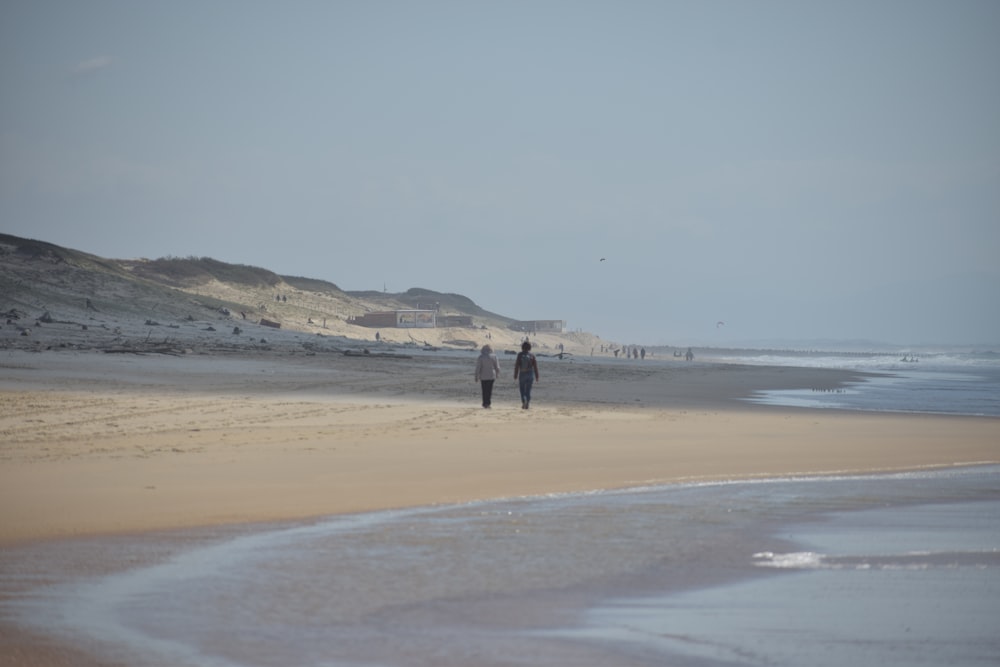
(63, 562)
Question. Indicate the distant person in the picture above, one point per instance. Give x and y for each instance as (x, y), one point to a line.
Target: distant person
(689, 355)
(525, 372)
(487, 371)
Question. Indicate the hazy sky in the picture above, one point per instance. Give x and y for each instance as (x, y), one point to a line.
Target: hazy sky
(795, 169)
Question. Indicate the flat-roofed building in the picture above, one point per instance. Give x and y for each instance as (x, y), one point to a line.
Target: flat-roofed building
(539, 326)
(400, 319)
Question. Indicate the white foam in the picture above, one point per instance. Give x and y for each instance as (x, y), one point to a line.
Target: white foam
(795, 560)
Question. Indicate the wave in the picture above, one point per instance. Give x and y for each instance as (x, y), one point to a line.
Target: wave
(873, 362)
(922, 560)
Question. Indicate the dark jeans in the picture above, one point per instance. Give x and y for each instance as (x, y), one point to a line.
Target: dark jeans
(487, 392)
(524, 382)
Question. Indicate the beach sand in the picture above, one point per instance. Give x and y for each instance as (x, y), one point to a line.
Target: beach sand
(98, 444)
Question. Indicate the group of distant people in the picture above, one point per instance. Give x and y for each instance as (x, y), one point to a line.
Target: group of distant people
(525, 372)
(634, 352)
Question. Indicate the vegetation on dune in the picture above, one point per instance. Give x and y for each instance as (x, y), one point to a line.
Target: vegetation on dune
(419, 297)
(313, 285)
(190, 271)
(50, 253)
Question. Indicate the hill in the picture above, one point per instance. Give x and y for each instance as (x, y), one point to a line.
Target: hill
(41, 280)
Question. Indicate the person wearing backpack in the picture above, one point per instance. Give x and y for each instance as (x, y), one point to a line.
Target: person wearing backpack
(487, 371)
(525, 372)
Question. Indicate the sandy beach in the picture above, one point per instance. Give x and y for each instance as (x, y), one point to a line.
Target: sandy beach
(98, 444)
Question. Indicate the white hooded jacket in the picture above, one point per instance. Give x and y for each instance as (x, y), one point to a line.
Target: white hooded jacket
(487, 366)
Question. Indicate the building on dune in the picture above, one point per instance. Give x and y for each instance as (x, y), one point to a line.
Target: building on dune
(430, 319)
(400, 319)
(454, 320)
(539, 326)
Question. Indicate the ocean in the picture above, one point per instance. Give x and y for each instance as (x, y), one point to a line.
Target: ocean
(934, 382)
(887, 569)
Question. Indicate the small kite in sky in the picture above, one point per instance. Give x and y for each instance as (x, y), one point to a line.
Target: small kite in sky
(602, 259)
(720, 323)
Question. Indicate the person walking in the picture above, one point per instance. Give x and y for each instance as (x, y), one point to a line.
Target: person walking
(487, 371)
(526, 373)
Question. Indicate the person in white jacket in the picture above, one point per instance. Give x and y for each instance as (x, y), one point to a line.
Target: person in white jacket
(487, 371)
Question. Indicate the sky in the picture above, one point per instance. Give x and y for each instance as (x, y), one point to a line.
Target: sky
(668, 172)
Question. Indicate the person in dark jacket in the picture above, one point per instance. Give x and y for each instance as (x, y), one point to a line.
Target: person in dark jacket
(526, 373)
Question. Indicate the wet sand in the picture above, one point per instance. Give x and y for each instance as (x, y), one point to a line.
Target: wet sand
(101, 444)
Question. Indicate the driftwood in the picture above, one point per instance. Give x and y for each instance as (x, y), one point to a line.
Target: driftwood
(460, 342)
(382, 355)
(145, 349)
